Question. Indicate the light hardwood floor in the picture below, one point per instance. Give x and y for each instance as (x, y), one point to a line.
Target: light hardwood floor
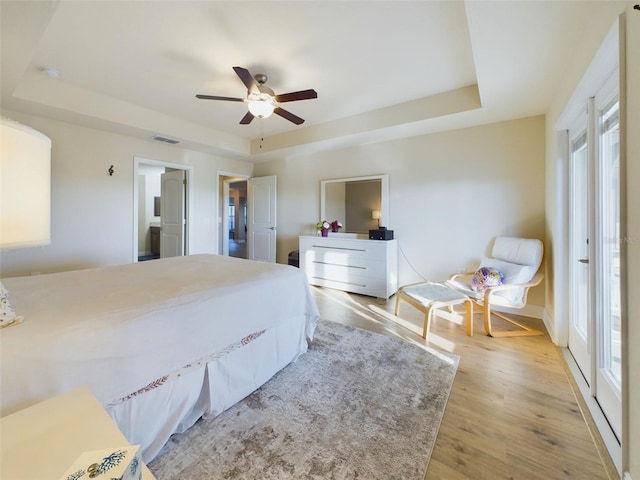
(512, 412)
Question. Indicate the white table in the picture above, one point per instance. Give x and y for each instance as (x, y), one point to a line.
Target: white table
(41, 442)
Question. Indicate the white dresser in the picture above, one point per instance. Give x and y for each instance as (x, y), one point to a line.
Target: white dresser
(344, 262)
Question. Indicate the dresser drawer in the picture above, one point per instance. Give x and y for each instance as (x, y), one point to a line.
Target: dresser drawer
(349, 247)
(345, 273)
(361, 285)
(318, 260)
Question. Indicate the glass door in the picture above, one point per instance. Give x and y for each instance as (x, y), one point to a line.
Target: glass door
(580, 326)
(594, 268)
(609, 371)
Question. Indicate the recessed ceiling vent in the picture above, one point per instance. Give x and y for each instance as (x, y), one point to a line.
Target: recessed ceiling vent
(160, 138)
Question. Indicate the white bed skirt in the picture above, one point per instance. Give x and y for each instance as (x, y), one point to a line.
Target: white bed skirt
(149, 419)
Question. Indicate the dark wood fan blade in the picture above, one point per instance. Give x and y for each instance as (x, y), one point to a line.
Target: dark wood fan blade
(293, 96)
(214, 97)
(246, 120)
(246, 77)
(288, 115)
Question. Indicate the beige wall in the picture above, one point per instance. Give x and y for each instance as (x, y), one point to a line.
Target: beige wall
(92, 213)
(450, 193)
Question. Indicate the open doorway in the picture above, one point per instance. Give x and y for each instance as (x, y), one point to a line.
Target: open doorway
(161, 192)
(149, 209)
(233, 215)
(237, 221)
(252, 217)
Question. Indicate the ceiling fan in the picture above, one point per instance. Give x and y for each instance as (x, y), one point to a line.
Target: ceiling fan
(262, 100)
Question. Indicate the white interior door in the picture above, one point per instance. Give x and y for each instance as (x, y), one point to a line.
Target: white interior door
(261, 225)
(172, 218)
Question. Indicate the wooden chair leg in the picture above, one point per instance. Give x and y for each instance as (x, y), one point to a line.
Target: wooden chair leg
(398, 295)
(469, 308)
(428, 314)
(486, 315)
(523, 331)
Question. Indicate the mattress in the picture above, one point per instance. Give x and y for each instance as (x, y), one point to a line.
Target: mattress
(125, 330)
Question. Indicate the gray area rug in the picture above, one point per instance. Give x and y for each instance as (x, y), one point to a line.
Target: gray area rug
(357, 405)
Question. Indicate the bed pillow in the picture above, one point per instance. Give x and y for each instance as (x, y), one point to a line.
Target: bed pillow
(7, 313)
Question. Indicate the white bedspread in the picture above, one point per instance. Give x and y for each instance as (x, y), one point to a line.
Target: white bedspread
(119, 329)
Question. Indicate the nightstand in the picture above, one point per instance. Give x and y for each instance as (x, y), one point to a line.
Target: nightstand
(41, 442)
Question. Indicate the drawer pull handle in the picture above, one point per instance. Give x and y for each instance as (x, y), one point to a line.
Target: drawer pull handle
(339, 265)
(341, 248)
(339, 281)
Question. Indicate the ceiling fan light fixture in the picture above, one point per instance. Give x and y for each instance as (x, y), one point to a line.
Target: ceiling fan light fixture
(261, 100)
(261, 108)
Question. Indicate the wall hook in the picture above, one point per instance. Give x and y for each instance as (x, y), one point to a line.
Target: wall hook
(110, 171)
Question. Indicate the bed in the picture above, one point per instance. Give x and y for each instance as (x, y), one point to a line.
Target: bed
(159, 343)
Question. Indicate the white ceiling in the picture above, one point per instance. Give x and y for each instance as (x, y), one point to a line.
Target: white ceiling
(382, 69)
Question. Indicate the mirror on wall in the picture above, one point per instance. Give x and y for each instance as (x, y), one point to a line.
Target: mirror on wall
(356, 202)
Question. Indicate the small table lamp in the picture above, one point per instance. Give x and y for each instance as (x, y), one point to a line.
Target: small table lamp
(375, 215)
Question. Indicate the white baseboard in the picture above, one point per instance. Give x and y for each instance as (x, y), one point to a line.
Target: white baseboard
(610, 441)
(549, 325)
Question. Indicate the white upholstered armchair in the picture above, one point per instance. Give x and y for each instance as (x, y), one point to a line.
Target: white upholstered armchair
(516, 261)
